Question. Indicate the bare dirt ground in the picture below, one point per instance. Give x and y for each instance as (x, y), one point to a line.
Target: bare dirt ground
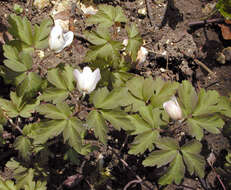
(174, 52)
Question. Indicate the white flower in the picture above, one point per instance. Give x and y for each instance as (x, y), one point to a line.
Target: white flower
(87, 80)
(90, 10)
(173, 109)
(58, 40)
(142, 55)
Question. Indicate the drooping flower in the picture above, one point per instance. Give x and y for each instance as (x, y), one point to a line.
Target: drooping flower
(173, 109)
(58, 40)
(87, 80)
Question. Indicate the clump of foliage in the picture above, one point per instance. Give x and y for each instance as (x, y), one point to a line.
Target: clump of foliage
(224, 7)
(38, 107)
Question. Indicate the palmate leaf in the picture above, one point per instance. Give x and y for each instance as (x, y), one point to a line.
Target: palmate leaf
(54, 94)
(152, 116)
(41, 33)
(141, 88)
(207, 103)
(135, 86)
(160, 158)
(195, 163)
(21, 29)
(103, 46)
(163, 91)
(18, 62)
(188, 97)
(104, 99)
(210, 123)
(18, 106)
(119, 119)
(23, 145)
(134, 41)
(71, 133)
(144, 141)
(63, 80)
(60, 111)
(96, 122)
(43, 131)
(30, 85)
(107, 15)
(171, 153)
(175, 172)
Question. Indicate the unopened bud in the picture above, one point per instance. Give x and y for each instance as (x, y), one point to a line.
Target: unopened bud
(173, 109)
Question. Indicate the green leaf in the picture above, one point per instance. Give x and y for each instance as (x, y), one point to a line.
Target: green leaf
(163, 91)
(139, 124)
(103, 46)
(21, 29)
(10, 52)
(26, 58)
(134, 41)
(152, 116)
(54, 77)
(224, 106)
(107, 15)
(175, 173)
(15, 65)
(167, 143)
(29, 85)
(60, 111)
(207, 103)
(188, 97)
(54, 94)
(23, 145)
(224, 7)
(96, 122)
(210, 123)
(72, 135)
(118, 119)
(195, 162)
(148, 89)
(104, 99)
(143, 142)
(7, 185)
(160, 158)
(43, 131)
(28, 108)
(135, 86)
(68, 77)
(41, 33)
(8, 107)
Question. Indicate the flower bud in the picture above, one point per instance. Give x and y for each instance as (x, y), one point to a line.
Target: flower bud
(173, 109)
(58, 40)
(87, 80)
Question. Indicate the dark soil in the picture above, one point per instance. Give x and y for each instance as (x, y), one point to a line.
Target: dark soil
(173, 48)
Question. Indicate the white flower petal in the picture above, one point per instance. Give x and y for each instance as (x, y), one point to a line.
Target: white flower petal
(68, 38)
(173, 109)
(87, 80)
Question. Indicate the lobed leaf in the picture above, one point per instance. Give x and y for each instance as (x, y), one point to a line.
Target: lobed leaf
(107, 15)
(175, 172)
(188, 97)
(163, 91)
(119, 119)
(144, 141)
(160, 158)
(96, 122)
(23, 145)
(210, 123)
